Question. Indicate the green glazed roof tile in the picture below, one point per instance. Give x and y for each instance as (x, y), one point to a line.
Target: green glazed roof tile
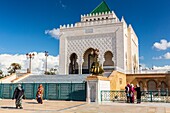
(102, 7)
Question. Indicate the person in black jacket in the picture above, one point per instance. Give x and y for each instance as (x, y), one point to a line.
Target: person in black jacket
(127, 91)
(18, 95)
(137, 89)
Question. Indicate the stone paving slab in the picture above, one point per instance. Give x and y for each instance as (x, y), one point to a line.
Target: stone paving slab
(49, 106)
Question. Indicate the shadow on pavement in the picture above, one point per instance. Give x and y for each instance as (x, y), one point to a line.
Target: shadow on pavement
(8, 107)
(31, 102)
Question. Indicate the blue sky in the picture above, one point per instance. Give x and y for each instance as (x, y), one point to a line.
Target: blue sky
(23, 24)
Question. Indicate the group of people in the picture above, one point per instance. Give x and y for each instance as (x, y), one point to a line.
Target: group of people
(19, 95)
(130, 93)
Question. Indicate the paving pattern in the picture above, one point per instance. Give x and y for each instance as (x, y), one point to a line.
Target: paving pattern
(31, 106)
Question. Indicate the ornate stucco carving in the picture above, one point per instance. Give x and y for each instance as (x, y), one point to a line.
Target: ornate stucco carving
(79, 44)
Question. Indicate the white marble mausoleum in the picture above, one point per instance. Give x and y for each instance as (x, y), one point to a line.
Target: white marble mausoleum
(103, 30)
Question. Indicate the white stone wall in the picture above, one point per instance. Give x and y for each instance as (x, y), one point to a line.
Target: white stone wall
(62, 59)
(94, 88)
(79, 44)
(105, 35)
(135, 48)
(105, 38)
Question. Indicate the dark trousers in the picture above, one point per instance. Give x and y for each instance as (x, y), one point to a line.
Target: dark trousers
(128, 99)
(39, 100)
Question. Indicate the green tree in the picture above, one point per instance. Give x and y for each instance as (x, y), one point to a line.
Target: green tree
(51, 72)
(1, 72)
(14, 67)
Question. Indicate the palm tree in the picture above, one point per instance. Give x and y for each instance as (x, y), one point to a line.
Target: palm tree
(14, 67)
(51, 72)
(1, 72)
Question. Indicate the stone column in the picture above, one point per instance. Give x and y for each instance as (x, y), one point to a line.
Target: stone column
(145, 85)
(167, 92)
(102, 61)
(88, 93)
(101, 57)
(68, 68)
(80, 65)
(145, 89)
(159, 91)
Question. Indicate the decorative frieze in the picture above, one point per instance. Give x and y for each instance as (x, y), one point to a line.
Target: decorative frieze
(79, 44)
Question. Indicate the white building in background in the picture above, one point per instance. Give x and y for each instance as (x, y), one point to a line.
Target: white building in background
(103, 30)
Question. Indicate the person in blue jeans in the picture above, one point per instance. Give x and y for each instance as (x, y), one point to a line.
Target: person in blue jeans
(127, 91)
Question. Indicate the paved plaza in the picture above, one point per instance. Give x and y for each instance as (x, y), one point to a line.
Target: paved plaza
(49, 106)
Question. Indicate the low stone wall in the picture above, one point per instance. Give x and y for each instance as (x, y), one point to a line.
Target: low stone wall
(8, 79)
(117, 80)
(20, 78)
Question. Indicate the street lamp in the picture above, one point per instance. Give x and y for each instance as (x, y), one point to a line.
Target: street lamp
(30, 56)
(46, 55)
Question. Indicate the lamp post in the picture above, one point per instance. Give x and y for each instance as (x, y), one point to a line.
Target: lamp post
(46, 55)
(30, 56)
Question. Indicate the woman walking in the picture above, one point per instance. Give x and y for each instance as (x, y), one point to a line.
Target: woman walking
(132, 90)
(39, 95)
(18, 95)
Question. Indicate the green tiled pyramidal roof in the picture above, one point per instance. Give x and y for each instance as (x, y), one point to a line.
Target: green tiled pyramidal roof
(102, 7)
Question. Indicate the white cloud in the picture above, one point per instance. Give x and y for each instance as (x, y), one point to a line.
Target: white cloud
(141, 57)
(55, 33)
(165, 56)
(38, 63)
(157, 58)
(162, 45)
(166, 67)
(62, 5)
(143, 67)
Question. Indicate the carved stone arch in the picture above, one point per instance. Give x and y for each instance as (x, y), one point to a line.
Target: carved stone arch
(108, 62)
(73, 65)
(108, 56)
(152, 85)
(87, 49)
(163, 86)
(88, 60)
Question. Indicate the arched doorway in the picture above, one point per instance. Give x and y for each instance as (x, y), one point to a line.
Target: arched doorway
(73, 66)
(88, 60)
(163, 86)
(108, 64)
(152, 85)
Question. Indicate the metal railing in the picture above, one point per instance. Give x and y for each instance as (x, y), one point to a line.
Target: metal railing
(146, 96)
